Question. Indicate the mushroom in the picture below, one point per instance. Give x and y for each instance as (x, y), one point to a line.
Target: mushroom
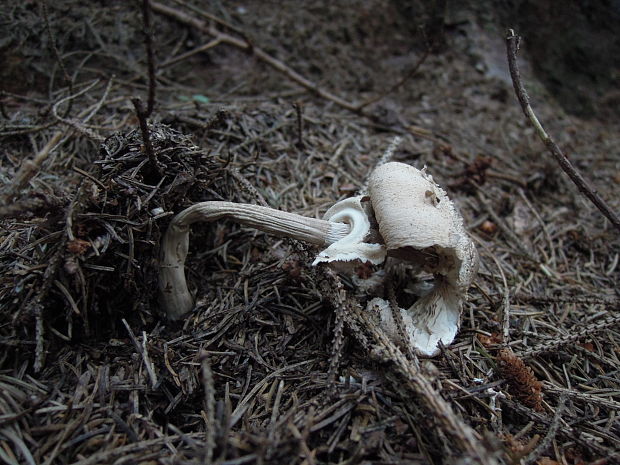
(405, 215)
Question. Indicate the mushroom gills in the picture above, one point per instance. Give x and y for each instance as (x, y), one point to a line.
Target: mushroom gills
(432, 318)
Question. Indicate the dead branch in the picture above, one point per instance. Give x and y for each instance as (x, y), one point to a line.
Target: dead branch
(144, 128)
(512, 47)
(245, 44)
(150, 55)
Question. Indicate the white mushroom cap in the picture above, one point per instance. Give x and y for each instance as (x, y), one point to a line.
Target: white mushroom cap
(418, 222)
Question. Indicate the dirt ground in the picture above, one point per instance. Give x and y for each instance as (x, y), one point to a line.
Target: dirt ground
(292, 107)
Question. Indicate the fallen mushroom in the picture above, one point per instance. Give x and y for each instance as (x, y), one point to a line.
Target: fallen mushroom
(406, 216)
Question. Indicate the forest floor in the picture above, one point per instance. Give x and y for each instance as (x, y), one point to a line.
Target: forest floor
(262, 370)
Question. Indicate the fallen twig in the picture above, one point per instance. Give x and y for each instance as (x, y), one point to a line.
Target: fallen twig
(300, 123)
(29, 168)
(608, 403)
(512, 47)
(144, 128)
(572, 336)
(75, 123)
(150, 55)
(208, 386)
(567, 431)
(143, 351)
(258, 53)
(551, 433)
(339, 338)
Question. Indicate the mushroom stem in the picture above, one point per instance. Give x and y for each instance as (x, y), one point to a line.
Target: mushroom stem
(174, 293)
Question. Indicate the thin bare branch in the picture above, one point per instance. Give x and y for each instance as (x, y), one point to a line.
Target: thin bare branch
(150, 55)
(512, 47)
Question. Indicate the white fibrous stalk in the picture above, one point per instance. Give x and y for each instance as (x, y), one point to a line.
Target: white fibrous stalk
(174, 293)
